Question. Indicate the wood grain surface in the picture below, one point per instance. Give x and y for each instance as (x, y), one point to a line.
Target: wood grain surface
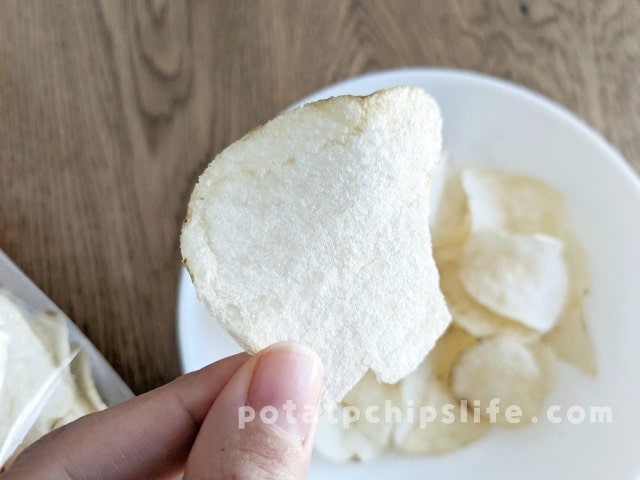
(109, 110)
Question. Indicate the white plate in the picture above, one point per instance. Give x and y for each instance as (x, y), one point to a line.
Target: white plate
(491, 122)
(111, 387)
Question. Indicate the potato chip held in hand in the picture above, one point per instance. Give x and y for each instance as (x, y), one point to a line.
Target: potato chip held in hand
(314, 228)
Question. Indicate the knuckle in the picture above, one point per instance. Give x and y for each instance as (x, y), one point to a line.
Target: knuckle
(260, 452)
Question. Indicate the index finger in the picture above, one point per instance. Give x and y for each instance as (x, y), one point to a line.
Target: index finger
(146, 437)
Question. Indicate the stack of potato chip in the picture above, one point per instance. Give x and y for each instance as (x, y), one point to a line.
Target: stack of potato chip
(32, 347)
(514, 280)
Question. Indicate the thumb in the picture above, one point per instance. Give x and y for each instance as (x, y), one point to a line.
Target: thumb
(262, 423)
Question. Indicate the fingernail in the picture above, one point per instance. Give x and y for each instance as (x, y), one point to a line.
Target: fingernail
(285, 387)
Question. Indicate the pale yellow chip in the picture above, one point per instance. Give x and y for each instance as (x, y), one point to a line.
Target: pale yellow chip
(578, 267)
(440, 360)
(450, 217)
(371, 397)
(515, 203)
(427, 388)
(570, 339)
(339, 444)
(314, 228)
(448, 432)
(571, 342)
(34, 343)
(87, 392)
(365, 437)
(51, 328)
(547, 361)
(522, 277)
(476, 319)
(505, 368)
(28, 366)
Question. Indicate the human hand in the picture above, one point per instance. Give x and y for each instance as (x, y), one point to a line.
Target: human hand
(192, 425)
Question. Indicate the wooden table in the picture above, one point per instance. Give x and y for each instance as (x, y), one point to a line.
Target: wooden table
(110, 110)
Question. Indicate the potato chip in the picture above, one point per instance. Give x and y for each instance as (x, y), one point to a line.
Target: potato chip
(515, 203)
(447, 432)
(547, 361)
(571, 342)
(570, 339)
(522, 277)
(426, 388)
(51, 328)
(450, 214)
(87, 392)
(439, 362)
(369, 394)
(578, 267)
(314, 228)
(339, 444)
(365, 436)
(508, 369)
(29, 364)
(469, 314)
